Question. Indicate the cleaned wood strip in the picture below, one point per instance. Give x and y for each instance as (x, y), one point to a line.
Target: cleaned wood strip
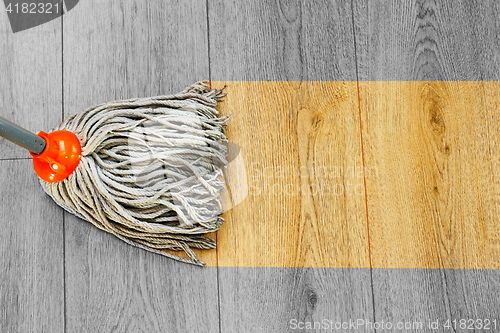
(435, 201)
(430, 174)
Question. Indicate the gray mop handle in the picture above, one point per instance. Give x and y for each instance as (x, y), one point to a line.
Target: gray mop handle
(21, 137)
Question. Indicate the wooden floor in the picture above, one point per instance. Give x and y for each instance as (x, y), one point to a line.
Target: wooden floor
(369, 136)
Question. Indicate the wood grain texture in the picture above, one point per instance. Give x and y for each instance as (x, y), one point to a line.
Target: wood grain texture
(470, 293)
(258, 299)
(281, 40)
(427, 40)
(31, 253)
(413, 297)
(115, 50)
(306, 200)
(435, 202)
(30, 84)
(113, 287)
(421, 296)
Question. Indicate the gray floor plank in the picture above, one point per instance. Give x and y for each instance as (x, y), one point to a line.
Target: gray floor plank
(31, 253)
(427, 40)
(113, 287)
(412, 297)
(281, 40)
(286, 40)
(32, 288)
(472, 295)
(259, 299)
(115, 50)
(445, 298)
(30, 85)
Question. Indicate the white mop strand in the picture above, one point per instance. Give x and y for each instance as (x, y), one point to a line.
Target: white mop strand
(151, 170)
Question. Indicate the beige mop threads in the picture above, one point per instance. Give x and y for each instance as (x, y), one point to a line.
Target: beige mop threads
(151, 170)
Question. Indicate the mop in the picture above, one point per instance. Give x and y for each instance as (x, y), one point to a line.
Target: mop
(147, 170)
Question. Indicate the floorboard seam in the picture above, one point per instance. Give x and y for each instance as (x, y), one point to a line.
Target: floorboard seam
(216, 234)
(363, 157)
(208, 44)
(63, 213)
(15, 158)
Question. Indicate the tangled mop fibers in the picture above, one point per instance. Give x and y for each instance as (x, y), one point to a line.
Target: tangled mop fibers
(150, 170)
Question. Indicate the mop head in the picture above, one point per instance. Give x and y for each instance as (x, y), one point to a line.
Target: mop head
(150, 171)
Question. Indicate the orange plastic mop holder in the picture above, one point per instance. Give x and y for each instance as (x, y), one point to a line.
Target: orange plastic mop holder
(60, 157)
